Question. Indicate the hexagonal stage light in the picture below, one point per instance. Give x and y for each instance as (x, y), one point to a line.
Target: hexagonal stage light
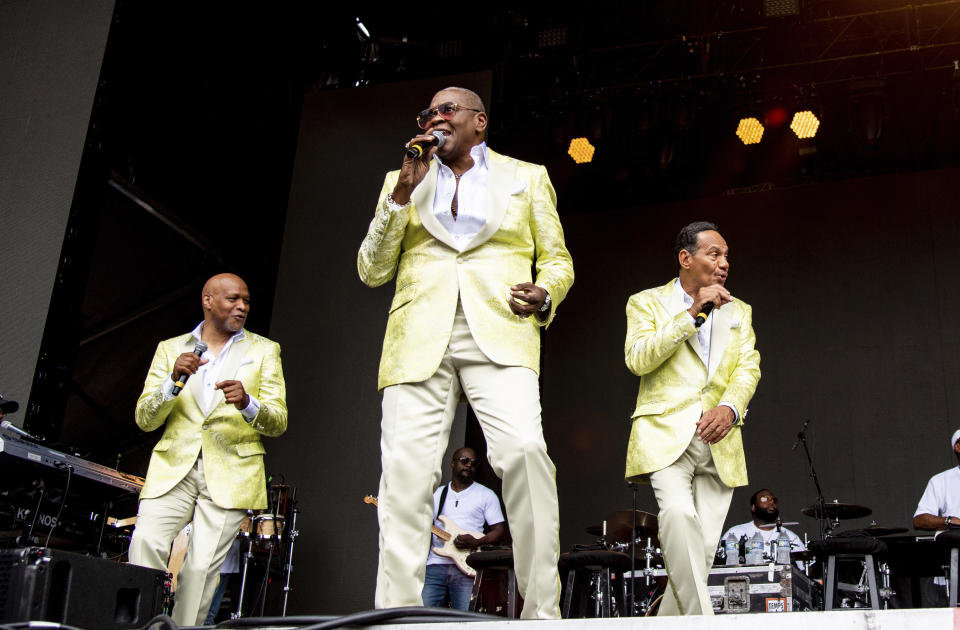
(805, 124)
(750, 130)
(581, 150)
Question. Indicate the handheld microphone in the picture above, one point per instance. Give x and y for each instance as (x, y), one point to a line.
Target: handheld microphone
(701, 317)
(6, 425)
(198, 350)
(415, 150)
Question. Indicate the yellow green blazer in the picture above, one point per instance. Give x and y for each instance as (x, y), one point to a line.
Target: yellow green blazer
(522, 231)
(232, 450)
(675, 385)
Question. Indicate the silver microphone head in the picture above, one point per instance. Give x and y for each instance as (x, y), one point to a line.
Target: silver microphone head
(436, 133)
(200, 348)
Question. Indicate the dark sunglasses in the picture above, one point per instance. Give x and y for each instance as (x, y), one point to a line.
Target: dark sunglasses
(446, 110)
(467, 461)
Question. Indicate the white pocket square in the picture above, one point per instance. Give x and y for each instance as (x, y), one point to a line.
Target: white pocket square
(518, 187)
(735, 324)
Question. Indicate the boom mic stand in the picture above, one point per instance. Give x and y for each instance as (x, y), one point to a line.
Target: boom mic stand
(825, 530)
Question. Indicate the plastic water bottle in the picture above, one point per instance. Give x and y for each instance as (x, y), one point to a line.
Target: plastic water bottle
(732, 547)
(783, 548)
(755, 549)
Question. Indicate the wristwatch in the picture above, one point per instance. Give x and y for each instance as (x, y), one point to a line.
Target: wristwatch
(546, 304)
(947, 521)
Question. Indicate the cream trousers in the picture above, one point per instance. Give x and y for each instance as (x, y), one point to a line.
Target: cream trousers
(415, 429)
(693, 506)
(213, 529)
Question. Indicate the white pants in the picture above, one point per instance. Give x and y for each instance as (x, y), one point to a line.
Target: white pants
(693, 506)
(415, 430)
(213, 530)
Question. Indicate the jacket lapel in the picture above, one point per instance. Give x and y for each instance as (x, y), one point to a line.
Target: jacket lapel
(719, 336)
(500, 174)
(423, 196)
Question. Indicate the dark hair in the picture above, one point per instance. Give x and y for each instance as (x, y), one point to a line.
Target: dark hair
(753, 497)
(687, 238)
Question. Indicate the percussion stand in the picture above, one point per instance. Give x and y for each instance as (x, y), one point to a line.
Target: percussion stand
(274, 540)
(292, 535)
(633, 553)
(246, 561)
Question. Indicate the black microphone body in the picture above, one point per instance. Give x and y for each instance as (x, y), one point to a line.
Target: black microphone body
(801, 435)
(198, 350)
(415, 150)
(701, 317)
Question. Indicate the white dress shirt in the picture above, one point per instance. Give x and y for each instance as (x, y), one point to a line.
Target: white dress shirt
(209, 372)
(471, 198)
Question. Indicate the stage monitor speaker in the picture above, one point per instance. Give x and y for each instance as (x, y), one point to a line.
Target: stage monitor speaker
(39, 584)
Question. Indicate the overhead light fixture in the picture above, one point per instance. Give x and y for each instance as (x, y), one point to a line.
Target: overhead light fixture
(781, 8)
(581, 150)
(805, 124)
(750, 130)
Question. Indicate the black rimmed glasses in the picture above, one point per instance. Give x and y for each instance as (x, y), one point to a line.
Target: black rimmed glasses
(446, 110)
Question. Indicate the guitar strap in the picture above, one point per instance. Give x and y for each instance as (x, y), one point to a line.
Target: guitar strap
(443, 499)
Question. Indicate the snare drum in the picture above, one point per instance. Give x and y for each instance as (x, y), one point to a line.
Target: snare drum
(268, 526)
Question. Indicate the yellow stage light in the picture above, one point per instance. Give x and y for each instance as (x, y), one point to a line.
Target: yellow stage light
(750, 130)
(805, 124)
(581, 150)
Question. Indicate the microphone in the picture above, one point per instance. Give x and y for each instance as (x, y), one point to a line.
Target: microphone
(701, 317)
(415, 150)
(198, 350)
(801, 436)
(12, 428)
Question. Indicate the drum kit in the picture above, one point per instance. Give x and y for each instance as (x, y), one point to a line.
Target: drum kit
(636, 532)
(265, 532)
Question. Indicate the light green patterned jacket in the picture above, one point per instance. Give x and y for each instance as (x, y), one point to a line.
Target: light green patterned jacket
(675, 385)
(522, 232)
(231, 448)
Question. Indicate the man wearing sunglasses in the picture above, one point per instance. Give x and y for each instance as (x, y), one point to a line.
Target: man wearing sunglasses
(462, 228)
(469, 506)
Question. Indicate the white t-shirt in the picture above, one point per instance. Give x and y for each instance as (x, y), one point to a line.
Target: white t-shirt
(942, 495)
(470, 510)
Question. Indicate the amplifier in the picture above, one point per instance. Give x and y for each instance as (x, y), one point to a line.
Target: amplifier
(38, 584)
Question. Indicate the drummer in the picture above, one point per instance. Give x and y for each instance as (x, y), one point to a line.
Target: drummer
(763, 507)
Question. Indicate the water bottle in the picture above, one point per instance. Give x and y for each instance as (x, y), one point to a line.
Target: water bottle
(755, 549)
(732, 547)
(783, 548)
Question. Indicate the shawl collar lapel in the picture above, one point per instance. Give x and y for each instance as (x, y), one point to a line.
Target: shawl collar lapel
(500, 175)
(423, 196)
(720, 336)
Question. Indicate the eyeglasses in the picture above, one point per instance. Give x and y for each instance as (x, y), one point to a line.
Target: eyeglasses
(446, 110)
(467, 461)
(767, 499)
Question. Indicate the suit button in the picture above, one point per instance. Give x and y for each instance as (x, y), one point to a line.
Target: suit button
(459, 260)
(205, 426)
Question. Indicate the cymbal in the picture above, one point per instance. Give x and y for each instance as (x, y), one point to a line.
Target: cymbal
(620, 523)
(880, 530)
(838, 511)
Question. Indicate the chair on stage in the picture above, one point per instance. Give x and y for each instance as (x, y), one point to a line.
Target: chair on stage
(844, 550)
(495, 586)
(588, 588)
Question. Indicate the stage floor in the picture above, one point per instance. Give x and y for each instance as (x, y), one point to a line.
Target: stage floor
(911, 619)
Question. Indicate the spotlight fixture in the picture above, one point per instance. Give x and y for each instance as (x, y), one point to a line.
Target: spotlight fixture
(581, 150)
(780, 8)
(750, 130)
(805, 124)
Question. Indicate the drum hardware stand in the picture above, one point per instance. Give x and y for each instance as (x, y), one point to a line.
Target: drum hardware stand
(243, 580)
(822, 515)
(886, 593)
(274, 540)
(292, 535)
(633, 552)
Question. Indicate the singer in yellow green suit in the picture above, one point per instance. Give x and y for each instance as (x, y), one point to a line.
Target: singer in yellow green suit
(207, 468)
(695, 385)
(474, 242)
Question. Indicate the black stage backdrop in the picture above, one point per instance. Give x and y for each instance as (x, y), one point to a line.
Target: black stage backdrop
(853, 286)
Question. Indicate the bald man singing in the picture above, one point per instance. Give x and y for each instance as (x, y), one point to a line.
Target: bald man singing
(207, 469)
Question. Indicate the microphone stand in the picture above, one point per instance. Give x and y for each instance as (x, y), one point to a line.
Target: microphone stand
(633, 553)
(821, 504)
